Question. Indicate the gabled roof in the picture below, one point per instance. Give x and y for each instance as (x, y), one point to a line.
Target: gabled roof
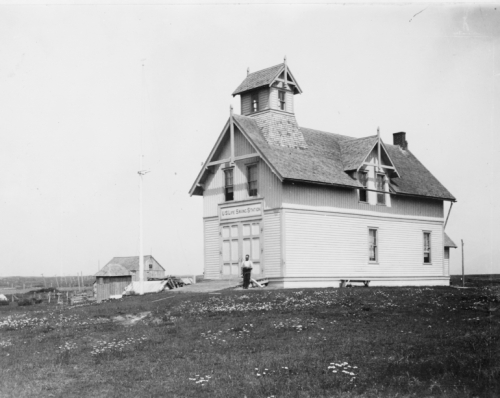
(355, 151)
(320, 162)
(113, 270)
(327, 158)
(264, 77)
(123, 265)
(448, 242)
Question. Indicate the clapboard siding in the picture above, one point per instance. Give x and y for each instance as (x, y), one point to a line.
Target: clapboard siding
(241, 145)
(224, 149)
(110, 286)
(331, 244)
(274, 101)
(269, 186)
(246, 104)
(289, 101)
(335, 197)
(246, 101)
(211, 248)
(446, 267)
(272, 244)
(264, 99)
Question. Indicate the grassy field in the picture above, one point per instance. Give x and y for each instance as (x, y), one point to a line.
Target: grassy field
(351, 342)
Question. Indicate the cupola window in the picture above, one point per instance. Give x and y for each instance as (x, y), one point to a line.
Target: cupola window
(282, 100)
(255, 102)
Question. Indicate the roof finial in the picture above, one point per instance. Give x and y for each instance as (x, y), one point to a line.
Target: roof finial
(248, 71)
(284, 60)
(378, 132)
(231, 109)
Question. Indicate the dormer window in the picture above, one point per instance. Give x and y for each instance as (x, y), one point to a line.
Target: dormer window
(255, 102)
(363, 180)
(380, 187)
(282, 100)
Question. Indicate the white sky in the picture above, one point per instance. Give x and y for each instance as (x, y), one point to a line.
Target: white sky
(71, 115)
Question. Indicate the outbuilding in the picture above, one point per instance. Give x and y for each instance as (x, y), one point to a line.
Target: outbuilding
(314, 208)
(118, 273)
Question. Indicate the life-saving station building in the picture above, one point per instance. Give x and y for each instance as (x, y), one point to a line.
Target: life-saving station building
(313, 208)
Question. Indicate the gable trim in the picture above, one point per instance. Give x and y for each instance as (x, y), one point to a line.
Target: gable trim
(293, 81)
(365, 163)
(208, 163)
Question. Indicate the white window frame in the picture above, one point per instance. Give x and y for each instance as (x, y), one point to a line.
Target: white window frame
(365, 173)
(249, 166)
(424, 251)
(377, 244)
(282, 102)
(379, 194)
(231, 170)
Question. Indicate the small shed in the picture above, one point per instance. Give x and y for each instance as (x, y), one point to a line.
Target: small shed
(447, 244)
(117, 274)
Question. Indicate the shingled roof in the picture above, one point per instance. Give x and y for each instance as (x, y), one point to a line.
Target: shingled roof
(119, 266)
(448, 242)
(260, 78)
(328, 156)
(354, 151)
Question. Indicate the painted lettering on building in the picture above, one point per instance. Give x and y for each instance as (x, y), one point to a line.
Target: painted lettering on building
(251, 210)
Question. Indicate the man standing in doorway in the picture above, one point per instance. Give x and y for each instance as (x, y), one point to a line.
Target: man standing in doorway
(246, 271)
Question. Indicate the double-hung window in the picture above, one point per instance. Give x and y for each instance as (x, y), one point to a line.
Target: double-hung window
(427, 247)
(255, 102)
(282, 100)
(228, 184)
(380, 187)
(363, 180)
(372, 245)
(252, 180)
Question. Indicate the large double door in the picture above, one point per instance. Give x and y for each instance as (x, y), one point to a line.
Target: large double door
(238, 240)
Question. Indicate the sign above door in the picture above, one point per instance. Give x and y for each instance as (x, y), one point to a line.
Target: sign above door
(241, 211)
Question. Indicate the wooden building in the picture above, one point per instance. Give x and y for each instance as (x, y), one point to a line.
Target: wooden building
(117, 274)
(313, 208)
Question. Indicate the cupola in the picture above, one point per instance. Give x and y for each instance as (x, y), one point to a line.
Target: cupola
(267, 96)
(268, 89)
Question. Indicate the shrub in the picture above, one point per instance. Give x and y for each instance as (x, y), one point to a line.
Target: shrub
(4, 302)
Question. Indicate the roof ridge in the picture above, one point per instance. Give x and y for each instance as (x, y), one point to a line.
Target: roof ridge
(269, 67)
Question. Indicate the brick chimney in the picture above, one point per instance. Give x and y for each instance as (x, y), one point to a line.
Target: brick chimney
(400, 139)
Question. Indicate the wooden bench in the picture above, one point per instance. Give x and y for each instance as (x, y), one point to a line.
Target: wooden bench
(344, 282)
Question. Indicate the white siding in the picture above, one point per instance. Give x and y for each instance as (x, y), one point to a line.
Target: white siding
(263, 99)
(329, 244)
(246, 104)
(272, 244)
(246, 101)
(241, 144)
(269, 186)
(211, 243)
(274, 101)
(289, 101)
(326, 198)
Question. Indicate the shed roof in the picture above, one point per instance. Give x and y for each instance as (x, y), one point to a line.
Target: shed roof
(328, 155)
(448, 242)
(119, 266)
(113, 270)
